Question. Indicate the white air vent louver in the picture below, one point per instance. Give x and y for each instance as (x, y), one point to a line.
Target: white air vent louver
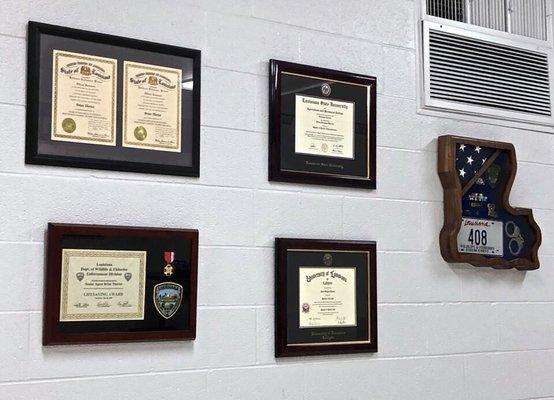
(469, 71)
(520, 17)
(450, 9)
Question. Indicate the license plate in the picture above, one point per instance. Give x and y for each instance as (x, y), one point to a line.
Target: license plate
(481, 236)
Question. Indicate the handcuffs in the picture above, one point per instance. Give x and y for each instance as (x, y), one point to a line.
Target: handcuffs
(515, 238)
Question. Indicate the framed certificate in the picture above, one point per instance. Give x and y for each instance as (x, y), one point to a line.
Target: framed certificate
(108, 102)
(321, 126)
(480, 226)
(106, 284)
(325, 297)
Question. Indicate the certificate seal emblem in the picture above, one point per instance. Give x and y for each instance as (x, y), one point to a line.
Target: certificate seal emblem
(69, 125)
(140, 133)
(324, 147)
(80, 276)
(326, 89)
(85, 70)
(305, 308)
(167, 298)
(128, 276)
(327, 259)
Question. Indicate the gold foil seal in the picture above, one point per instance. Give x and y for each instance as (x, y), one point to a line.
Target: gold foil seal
(69, 125)
(140, 133)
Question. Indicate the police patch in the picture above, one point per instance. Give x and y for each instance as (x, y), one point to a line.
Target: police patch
(167, 298)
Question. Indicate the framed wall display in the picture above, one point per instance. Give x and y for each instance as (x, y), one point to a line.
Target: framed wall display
(109, 102)
(114, 284)
(480, 226)
(325, 297)
(321, 126)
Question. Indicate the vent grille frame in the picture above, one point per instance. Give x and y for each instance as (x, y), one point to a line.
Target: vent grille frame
(463, 104)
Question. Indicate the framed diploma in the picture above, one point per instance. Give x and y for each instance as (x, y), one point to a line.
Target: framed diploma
(108, 102)
(322, 126)
(480, 226)
(325, 297)
(111, 284)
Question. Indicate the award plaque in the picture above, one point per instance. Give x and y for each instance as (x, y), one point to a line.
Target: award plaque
(321, 126)
(108, 102)
(112, 284)
(480, 225)
(325, 297)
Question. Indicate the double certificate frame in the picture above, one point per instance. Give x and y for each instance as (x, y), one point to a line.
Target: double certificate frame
(108, 102)
(113, 284)
(322, 126)
(325, 297)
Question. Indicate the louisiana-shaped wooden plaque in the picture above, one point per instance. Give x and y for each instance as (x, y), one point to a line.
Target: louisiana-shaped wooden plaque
(480, 226)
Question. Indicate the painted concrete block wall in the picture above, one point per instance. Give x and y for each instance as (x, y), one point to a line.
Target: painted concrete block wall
(446, 331)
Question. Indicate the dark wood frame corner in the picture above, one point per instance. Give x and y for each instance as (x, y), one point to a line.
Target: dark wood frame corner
(275, 173)
(32, 155)
(453, 214)
(52, 278)
(282, 245)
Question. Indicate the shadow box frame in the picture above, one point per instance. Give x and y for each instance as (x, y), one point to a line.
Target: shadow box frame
(52, 334)
(452, 209)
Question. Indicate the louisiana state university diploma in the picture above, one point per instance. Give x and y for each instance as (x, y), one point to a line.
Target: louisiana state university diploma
(327, 297)
(102, 285)
(324, 127)
(83, 98)
(151, 107)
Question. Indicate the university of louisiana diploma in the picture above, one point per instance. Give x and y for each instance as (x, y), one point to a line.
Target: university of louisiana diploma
(84, 98)
(151, 107)
(327, 297)
(324, 127)
(102, 285)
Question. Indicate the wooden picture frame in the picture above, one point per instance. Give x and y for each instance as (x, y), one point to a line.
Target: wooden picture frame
(332, 259)
(456, 195)
(353, 162)
(102, 139)
(118, 241)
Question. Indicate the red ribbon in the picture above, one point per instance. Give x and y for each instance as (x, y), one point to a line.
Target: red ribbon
(169, 256)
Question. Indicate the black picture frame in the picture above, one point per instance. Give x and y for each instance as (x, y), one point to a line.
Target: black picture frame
(154, 327)
(285, 164)
(290, 339)
(41, 150)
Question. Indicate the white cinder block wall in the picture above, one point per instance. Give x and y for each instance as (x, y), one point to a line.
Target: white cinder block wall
(445, 331)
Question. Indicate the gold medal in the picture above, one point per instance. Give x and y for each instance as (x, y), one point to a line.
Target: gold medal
(168, 270)
(169, 256)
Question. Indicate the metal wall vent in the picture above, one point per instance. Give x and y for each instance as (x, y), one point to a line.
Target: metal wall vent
(520, 17)
(483, 73)
(454, 10)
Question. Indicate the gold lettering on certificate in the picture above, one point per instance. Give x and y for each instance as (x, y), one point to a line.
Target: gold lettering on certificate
(327, 297)
(151, 107)
(83, 98)
(102, 285)
(324, 127)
